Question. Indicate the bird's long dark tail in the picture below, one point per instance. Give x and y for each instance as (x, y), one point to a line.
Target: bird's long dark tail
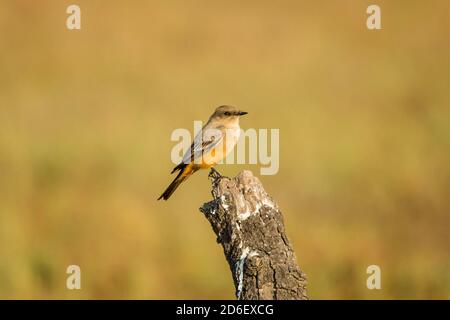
(182, 175)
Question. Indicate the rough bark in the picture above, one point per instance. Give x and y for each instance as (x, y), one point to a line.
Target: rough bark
(250, 228)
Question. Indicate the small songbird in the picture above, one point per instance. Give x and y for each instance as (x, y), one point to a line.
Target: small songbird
(212, 144)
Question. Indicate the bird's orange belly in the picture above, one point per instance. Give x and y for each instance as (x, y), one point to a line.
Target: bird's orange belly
(214, 156)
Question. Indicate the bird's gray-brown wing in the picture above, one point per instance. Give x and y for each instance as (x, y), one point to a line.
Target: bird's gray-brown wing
(203, 142)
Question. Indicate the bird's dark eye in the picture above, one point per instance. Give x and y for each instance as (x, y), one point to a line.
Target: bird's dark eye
(227, 113)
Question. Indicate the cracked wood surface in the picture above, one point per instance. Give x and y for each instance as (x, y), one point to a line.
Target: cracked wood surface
(249, 226)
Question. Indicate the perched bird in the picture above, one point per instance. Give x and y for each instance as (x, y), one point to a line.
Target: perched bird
(212, 144)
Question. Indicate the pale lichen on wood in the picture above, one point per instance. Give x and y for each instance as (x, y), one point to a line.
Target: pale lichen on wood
(250, 228)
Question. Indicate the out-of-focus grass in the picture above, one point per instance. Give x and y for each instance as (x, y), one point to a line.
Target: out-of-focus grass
(86, 117)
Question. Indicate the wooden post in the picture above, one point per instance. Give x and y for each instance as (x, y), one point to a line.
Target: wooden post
(250, 228)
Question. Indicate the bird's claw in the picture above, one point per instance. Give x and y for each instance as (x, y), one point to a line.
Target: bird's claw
(215, 175)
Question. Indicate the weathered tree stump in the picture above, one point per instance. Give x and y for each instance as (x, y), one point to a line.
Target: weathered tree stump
(250, 228)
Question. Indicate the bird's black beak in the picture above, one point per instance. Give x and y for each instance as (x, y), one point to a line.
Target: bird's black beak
(241, 113)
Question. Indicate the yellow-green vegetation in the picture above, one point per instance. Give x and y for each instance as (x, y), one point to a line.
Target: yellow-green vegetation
(86, 118)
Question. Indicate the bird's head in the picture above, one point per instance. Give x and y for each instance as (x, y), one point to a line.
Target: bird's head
(227, 112)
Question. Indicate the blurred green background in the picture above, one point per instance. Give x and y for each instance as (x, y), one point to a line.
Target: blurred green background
(86, 118)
